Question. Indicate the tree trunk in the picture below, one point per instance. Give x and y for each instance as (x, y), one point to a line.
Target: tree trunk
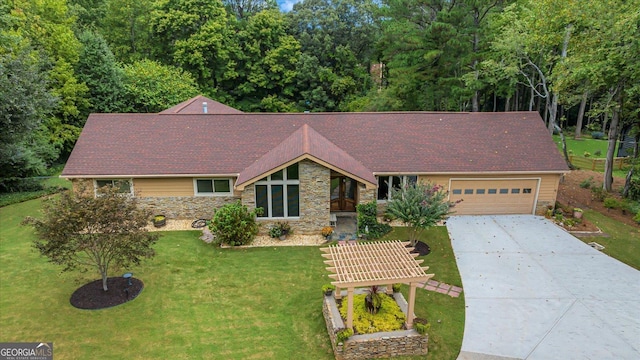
(506, 103)
(495, 101)
(104, 280)
(627, 180)
(583, 105)
(531, 99)
(553, 110)
(613, 137)
(605, 122)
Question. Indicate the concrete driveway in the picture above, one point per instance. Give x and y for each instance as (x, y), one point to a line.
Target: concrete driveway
(533, 291)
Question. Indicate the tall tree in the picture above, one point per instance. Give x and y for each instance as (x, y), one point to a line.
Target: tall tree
(243, 9)
(126, 28)
(97, 68)
(153, 87)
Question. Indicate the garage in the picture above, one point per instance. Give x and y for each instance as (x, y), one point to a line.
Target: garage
(488, 196)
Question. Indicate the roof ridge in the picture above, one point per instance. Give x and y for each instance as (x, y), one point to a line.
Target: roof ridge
(187, 103)
(306, 146)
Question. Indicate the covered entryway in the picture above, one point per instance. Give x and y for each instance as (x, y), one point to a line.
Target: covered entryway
(344, 192)
(482, 196)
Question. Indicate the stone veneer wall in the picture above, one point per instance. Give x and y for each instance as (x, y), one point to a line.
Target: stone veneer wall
(378, 345)
(185, 207)
(314, 200)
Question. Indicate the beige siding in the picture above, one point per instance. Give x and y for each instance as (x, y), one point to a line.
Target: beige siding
(548, 190)
(159, 187)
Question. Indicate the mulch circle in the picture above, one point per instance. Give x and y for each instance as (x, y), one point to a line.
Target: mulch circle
(421, 248)
(91, 296)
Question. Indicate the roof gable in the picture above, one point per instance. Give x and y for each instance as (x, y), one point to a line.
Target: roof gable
(305, 143)
(196, 105)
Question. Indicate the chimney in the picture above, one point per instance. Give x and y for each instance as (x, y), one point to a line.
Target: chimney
(204, 107)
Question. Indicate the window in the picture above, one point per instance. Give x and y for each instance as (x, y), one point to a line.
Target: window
(493, 191)
(457, 191)
(123, 185)
(396, 181)
(480, 191)
(515, 191)
(526, 191)
(504, 191)
(279, 194)
(468, 191)
(210, 187)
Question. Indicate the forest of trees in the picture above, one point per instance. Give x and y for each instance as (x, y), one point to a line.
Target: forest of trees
(576, 62)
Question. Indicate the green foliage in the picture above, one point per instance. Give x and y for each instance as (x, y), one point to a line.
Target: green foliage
(97, 68)
(389, 318)
(343, 334)
(125, 26)
(636, 218)
(598, 193)
(421, 326)
(586, 183)
(597, 135)
(597, 153)
(81, 231)
(280, 228)
(612, 203)
(634, 189)
(327, 288)
(368, 221)
(418, 206)
(233, 224)
(397, 287)
(374, 297)
(153, 87)
(586, 154)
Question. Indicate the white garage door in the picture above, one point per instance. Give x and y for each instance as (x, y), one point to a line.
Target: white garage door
(493, 196)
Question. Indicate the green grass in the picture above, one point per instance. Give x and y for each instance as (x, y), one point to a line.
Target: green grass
(586, 144)
(51, 185)
(623, 242)
(198, 302)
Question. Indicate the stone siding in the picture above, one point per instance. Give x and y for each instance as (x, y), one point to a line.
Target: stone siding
(185, 207)
(369, 346)
(314, 200)
(366, 195)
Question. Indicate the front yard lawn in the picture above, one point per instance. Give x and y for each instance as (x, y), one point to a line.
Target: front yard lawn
(623, 242)
(198, 302)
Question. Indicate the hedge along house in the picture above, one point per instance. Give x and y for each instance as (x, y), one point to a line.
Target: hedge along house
(301, 167)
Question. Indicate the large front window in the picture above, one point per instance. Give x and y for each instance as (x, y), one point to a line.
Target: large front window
(279, 193)
(123, 185)
(385, 183)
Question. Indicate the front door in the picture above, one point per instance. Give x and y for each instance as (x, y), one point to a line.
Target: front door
(343, 193)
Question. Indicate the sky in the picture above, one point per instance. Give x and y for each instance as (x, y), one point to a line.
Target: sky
(287, 5)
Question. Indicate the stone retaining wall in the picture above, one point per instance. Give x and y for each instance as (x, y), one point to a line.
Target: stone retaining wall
(368, 346)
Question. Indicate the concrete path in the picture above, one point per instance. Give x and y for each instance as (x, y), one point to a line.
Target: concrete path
(533, 291)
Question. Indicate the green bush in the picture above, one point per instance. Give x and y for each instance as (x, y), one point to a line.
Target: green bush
(421, 326)
(233, 224)
(634, 189)
(281, 228)
(368, 221)
(397, 287)
(597, 152)
(598, 193)
(343, 334)
(586, 183)
(388, 318)
(637, 218)
(612, 203)
(586, 154)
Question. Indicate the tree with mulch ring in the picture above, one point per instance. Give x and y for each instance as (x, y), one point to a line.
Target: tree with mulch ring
(103, 232)
(91, 296)
(421, 248)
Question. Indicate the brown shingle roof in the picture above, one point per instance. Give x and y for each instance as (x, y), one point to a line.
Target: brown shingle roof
(400, 142)
(306, 143)
(195, 106)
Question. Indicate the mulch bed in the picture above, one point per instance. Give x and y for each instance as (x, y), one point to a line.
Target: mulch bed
(91, 296)
(421, 248)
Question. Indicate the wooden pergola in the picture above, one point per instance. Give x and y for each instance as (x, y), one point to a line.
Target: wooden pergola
(374, 263)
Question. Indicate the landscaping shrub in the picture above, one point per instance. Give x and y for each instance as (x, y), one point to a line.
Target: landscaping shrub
(597, 153)
(598, 193)
(597, 135)
(388, 318)
(586, 154)
(233, 224)
(637, 218)
(368, 221)
(343, 334)
(421, 326)
(586, 183)
(634, 189)
(612, 203)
